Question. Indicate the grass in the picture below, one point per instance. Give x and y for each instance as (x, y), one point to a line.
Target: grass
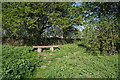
(72, 61)
(67, 61)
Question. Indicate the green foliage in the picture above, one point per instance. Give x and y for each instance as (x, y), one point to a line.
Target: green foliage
(18, 62)
(30, 19)
(101, 32)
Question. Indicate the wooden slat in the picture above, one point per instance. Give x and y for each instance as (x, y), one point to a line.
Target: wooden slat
(44, 46)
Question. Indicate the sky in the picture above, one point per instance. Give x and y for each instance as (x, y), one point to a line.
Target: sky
(77, 3)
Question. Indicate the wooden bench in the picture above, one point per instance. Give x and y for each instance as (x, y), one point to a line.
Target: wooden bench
(39, 48)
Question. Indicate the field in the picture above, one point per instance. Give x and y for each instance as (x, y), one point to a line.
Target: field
(67, 61)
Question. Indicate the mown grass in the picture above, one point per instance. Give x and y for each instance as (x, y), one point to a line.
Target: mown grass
(76, 62)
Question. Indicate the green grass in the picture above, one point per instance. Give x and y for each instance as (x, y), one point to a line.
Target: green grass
(74, 62)
(77, 64)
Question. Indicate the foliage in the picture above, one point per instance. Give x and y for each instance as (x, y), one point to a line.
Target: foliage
(101, 32)
(30, 20)
(18, 62)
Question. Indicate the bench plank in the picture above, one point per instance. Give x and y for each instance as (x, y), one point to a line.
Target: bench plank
(43, 46)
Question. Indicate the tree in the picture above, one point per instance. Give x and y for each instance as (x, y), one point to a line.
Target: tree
(30, 19)
(102, 29)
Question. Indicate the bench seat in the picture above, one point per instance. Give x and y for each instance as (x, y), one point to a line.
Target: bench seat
(39, 48)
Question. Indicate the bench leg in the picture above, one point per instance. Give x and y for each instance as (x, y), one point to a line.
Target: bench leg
(52, 49)
(39, 50)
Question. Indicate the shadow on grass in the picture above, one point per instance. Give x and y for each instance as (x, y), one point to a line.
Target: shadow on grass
(88, 50)
(44, 50)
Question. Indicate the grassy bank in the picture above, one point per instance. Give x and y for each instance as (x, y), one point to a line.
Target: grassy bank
(72, 61)
(67, 61)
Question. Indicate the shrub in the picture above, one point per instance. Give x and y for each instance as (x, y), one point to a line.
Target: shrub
(18, 62)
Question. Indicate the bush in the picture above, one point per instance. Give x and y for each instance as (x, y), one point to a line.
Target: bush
(18, 62)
